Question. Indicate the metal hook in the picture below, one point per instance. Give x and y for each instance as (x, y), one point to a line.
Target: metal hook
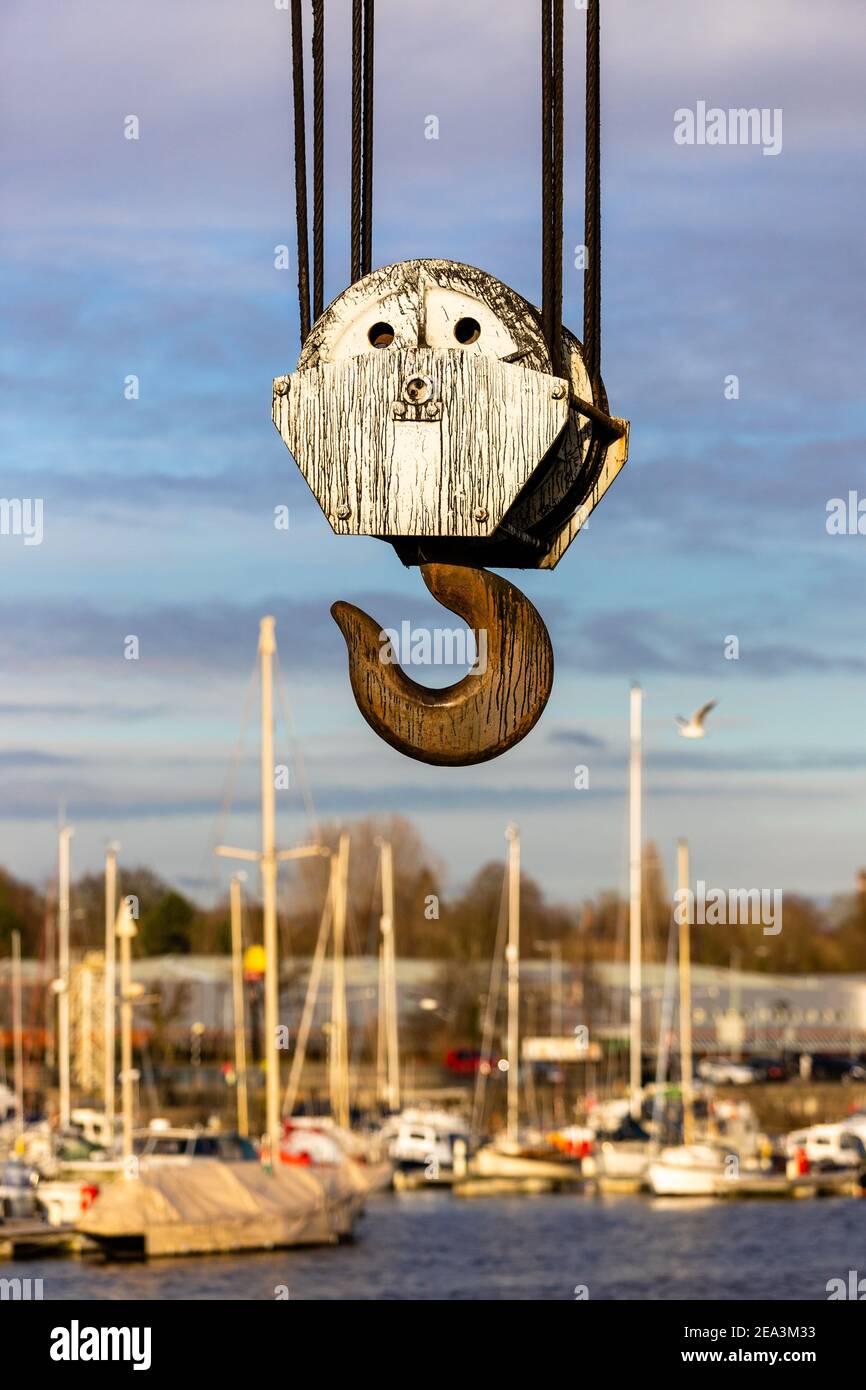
(481, 715)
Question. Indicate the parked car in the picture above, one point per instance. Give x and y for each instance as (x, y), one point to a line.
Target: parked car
(771, 1068)
(828, 1066)
(18, 1198)
(828, 1146)
(720, 1072)
(856, 1124)
(466, 1061)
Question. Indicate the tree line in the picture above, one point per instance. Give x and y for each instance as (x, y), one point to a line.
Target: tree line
(433, 920)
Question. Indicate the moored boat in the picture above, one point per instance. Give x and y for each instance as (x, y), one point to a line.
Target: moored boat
(690, 1170)
(208, 1206)
(517, 1160)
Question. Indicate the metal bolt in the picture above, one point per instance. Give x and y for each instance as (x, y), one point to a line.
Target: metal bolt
(399, 410)
(558, 392)
(343, 511)
(480, 513)
(418, 389)
(281, 387)
(433, 411)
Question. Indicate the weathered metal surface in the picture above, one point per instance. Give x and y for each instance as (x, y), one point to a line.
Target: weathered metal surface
(481, 715)
(423, 302)
(586, 461)
(614, 459)
(382, 454)
(455, 473)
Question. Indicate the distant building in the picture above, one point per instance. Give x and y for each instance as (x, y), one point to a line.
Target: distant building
(749, 1012)
(732, 1010)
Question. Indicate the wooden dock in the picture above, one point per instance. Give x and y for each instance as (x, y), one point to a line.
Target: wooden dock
(506, 1187)
(830, 1184)
(416, 1179)
(23, 1239)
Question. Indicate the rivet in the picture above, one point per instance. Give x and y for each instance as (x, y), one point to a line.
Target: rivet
(343, 511)
(432, 411)
(558, 392)
(399, 410)
(281, 387)
(480, 513)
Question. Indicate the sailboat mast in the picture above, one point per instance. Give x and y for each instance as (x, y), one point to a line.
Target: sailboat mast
(17, 1031)
(306, 1023)
(268, 862)
(635, 895)
(389, 979)
(512, 956)
(381, 1031)
(238, 1007)
(269, 858)
(63, 971)
(683, 883)
(109, 986)
(126, 930)
(339, 1058)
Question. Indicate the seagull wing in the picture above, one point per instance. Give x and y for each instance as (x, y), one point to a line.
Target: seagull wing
(703, 712)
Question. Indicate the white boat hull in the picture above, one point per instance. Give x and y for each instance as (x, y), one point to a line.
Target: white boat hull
(495, 1163)
(694, 1170)
(623, 1160)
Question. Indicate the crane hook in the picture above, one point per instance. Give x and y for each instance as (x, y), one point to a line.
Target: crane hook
(481, 715)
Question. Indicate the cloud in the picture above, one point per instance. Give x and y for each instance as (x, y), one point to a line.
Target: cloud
(580, 738)
(78, 709)
(638, 642)
(33, 757)
(210, 83)
(174, 639)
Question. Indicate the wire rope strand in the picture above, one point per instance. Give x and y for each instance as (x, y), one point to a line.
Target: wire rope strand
(367, 178)
(592, 200)
(318, 157)
(557, 151)
(546, 163)
(301, 213)
(357, 140)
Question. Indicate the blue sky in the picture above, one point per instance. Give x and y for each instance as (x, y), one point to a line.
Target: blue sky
(156, 258)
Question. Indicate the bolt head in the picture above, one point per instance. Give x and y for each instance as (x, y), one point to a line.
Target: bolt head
(558, 392)
(281, 387)
(418, 389)
(399, 410)
(480, 513)
(343, 511)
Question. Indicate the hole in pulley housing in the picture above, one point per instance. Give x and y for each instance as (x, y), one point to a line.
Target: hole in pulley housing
(467, 330)
(381, 335)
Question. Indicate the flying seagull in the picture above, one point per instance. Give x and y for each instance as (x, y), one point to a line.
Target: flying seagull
(694, 727)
